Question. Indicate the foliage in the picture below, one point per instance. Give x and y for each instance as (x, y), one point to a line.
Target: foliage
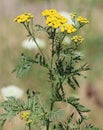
(64, 66)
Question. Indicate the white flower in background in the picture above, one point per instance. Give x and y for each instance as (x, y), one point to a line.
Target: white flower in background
(30, 44)
(67, 15)
(67, 40)
(11, 90)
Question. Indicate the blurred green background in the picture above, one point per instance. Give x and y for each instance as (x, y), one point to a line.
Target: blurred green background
(12, 35)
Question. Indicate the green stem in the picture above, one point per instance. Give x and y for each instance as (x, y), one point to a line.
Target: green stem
(47, 128)
(51, 107)
(52, 55)
(37, 45)
(32, 35)
(29, 126)
(51, 70)
(48, 121)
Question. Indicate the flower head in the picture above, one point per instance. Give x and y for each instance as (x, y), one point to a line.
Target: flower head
(11, 90)
(76, 39)
(82, 20)
(25, 115)
(56, 20)
(49, 12)
(26, 17)
(68, 27)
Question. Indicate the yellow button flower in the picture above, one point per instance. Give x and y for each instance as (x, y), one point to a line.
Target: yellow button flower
(48, 12)
(53, 18)
(25, 115)
(56, 20)
(82, 20)
(62, 29)
(26, 17)
(68, 28)
(76, 39)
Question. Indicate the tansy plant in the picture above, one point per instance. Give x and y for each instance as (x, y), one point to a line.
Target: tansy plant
(63, 66)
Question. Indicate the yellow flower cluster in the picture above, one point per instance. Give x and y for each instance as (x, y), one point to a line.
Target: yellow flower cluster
(82, 20)
(76, 39)
(49, 12)
(68, 27)
(55, 20)
(26, 17)
(25, 115)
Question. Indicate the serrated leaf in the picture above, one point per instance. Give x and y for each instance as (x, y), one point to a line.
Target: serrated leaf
(76, 82)
(72, 99)
(82, 108)
(70, 83)
(90, 127)
(70, 118)
(55, 114)
(2, 122)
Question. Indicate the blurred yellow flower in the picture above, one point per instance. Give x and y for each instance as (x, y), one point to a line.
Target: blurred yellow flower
(26, 17)
(56, 20)
(68, 27)
(77, 39)
(82, 20)
(25, 115)
(47, 12)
